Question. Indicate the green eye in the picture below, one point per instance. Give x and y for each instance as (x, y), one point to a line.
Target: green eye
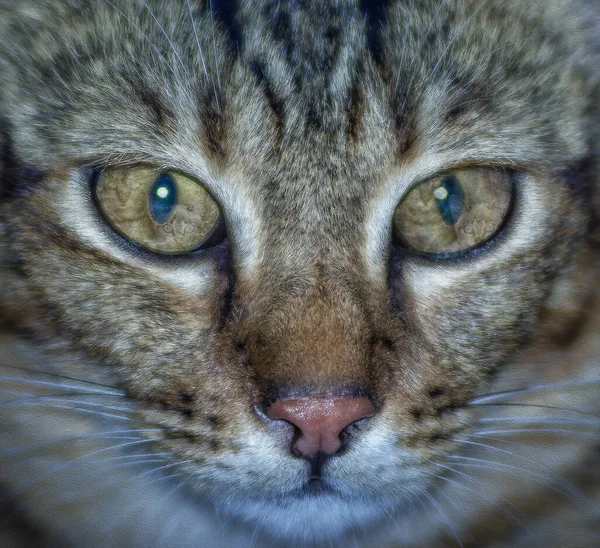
(164, 212)
(454, 211)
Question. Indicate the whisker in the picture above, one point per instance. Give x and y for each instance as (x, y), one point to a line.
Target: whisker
(481, 495)
(164, 478)
(112, 390)
(171, 523)
(425, 507)
(534, 406)
(143, 35)
(452, 40)
(134, 460)
(425, 36)
(189, 7)
(138, 455)
(168, 39)
(210, 9)
(68, 464)
(476, 462)
(96, 435)
(128, 464)
(64, 398)
(483, 398)
(454, 504)
(390, 517)
(517, 42)
(554, 431)
(170, 465)
(518, 472)
(443, 515)
(543, 419)
(93, 412)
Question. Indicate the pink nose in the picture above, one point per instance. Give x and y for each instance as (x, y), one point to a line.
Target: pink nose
(320, 420)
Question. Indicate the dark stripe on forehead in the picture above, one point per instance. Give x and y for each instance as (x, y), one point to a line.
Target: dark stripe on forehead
(282, 31)
(404, 115)
(274, 102)
(355, 112)
(161, 114)
(310, 35)
(376, 17)
(225, 13)
(305, 53)
(212, 117)
(468, 98)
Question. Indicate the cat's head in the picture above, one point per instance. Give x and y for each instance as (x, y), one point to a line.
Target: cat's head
(304, 236)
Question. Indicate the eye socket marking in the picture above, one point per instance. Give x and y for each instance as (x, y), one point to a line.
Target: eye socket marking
(455, 211)
(164, 212)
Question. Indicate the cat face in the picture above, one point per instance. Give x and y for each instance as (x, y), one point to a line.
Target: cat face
(394, 203)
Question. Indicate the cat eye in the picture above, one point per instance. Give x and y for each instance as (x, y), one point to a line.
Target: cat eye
(454, 211)
(162, 211)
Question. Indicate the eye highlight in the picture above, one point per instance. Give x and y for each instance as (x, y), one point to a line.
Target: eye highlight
(450, 200)
(163, 198)
(162, 211)
(454, 211)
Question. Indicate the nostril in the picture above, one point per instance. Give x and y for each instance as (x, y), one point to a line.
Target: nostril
(320, 421)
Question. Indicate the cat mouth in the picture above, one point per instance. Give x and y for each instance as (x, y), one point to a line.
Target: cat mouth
(317, 485)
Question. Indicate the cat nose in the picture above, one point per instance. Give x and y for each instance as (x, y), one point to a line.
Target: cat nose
(320, 421)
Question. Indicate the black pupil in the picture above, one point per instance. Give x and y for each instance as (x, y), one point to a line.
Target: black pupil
(450, 199)
(163, 197)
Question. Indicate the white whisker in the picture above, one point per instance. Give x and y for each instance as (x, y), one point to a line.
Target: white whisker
(216, 57)
(425, 36)
(58, 398)
(479, 494)
(484, 398)
(82, 384)
(552, 478)
(553, 431)
(168, 39)
(66, 465)
(189, 7)
(549, 419)
(443, 515)
(143, 35)
(533, 406)
(113, 434)
(452, 40)
(93, 412)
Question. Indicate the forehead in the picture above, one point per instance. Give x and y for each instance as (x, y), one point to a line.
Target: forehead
(301, 92)
(352, 94)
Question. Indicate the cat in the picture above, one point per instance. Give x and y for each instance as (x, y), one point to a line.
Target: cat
(305, 273)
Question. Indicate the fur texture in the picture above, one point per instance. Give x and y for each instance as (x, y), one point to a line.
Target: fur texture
(134, 384)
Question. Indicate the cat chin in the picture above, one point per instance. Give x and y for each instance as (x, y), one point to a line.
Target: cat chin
(310, 518)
